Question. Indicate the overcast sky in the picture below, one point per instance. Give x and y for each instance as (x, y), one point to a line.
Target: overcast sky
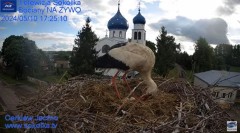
(216, 20)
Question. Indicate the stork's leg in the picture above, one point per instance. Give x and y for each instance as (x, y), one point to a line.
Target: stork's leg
(124, 79)
(114, 84)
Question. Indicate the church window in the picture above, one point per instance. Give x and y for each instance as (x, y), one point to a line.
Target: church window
(120, 34)
(113, 33)
(105, 48)
(135, 35)
(139, 35)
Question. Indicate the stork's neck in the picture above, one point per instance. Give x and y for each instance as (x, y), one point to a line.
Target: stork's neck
(151, 85)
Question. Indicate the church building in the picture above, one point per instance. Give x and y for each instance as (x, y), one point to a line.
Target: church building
(118, 27)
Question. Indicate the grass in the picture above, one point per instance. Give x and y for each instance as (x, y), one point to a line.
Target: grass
(234, 69)
(7, 79)
(55, 78)
(174, 73)
(51, 78)
(11, 81)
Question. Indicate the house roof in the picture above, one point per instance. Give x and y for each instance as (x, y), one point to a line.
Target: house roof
(220, 78)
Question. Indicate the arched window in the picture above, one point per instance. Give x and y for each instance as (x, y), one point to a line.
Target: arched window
(135, 35)
(105, 48)
(120, 33)
(113, 33)
(139, 35)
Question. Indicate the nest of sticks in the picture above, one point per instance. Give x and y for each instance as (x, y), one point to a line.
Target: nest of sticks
(89, 104)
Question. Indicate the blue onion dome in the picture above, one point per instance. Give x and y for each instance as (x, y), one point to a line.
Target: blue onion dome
(139, 19)
(118, 22)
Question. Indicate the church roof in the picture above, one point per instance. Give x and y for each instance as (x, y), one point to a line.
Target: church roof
(118, 21)
(139, 19)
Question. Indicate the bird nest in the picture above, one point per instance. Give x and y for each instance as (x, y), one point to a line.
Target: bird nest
(89, 104)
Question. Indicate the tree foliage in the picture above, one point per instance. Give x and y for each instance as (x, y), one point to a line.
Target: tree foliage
(236, 55)
(203, 56)
(84, 54)
(20, 56)
(152, 46)
(62, 55)
(227, 55)
(184, 60)
(166, 53)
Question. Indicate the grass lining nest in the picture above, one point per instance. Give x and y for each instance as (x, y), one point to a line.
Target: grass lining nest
(89, 104)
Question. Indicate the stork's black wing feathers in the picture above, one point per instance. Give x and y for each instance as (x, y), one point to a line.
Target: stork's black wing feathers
(118, 45)
(107, 61)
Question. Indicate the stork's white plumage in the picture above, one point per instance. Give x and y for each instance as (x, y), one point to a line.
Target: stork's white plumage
(130, 57)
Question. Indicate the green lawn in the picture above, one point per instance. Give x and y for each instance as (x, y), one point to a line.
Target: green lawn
(51, 78)
(7, 79)
(174, 73)
(54, 78)
(234, 69)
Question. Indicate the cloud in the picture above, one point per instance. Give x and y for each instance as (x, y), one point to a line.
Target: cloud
(229, 7)
(194, 9)
(235, 39)
(58, 47)
(2, 28)
(214, 30)
(53, 36)
(1, 43)
(53, 41)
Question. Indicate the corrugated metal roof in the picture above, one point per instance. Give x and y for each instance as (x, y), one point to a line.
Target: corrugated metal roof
(220, 78)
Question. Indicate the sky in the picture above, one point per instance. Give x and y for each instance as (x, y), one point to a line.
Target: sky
(216, 20)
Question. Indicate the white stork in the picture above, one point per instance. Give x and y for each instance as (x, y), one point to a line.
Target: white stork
(130, 57)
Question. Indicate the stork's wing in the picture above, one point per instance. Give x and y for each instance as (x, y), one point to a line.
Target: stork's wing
(118, 45)
(131, 59)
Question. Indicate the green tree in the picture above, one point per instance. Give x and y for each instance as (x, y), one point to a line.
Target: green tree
(152, 46)
(224, 51)
(203, 56)
(236, 56)
(62, 55)
(166, 53)
(184, 60)
(84, 54)
(20, 55)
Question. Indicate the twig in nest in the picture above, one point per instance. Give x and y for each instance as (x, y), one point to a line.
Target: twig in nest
(134, 89)
(179, 118)
(127, 98)
(83, 98)
(165, 82)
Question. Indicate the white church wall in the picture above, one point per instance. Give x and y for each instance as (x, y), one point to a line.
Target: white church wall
(107, 41)
(136, 39)
(114, 33)
(139, 26)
